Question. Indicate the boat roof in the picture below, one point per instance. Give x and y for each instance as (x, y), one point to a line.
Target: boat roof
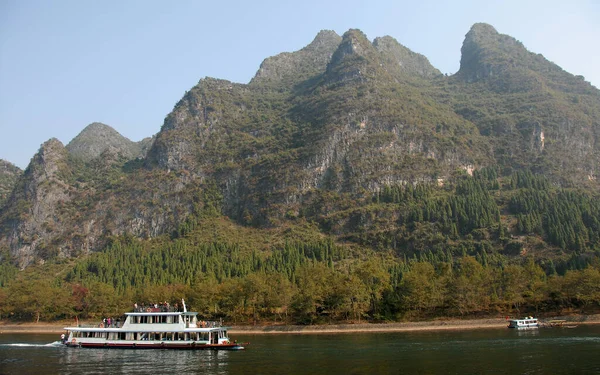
(190, 313)
(526, 318)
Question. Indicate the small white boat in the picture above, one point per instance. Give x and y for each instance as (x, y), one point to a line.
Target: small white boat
(528, 322)
(154, 328)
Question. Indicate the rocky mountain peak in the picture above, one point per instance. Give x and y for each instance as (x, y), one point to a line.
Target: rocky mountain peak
(401, 60)
(293, 67)
(507, 66)
(49, 161)
(96, 138)
(480, 32)
(355, 59)
(354, 43)
(325, 39)
(479, 52)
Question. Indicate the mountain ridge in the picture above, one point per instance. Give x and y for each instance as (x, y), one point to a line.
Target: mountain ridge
(343, 118)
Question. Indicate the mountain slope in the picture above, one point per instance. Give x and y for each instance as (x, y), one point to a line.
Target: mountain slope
(315, 137)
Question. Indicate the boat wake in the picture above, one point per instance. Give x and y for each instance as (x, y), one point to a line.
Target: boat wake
(25, 345)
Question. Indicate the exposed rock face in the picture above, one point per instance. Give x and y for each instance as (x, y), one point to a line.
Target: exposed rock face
(42, 188)
(9, 173)
(145, 145)
(97, 138)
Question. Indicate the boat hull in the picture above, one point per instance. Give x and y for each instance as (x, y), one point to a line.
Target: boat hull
(523, 327)
(144, 345)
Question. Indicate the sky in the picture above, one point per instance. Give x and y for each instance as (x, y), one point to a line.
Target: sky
(67, 63)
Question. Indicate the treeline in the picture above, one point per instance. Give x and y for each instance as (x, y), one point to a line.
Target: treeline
(299, 288)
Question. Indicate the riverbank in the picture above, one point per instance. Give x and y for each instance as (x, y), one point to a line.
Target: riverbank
(435, 325)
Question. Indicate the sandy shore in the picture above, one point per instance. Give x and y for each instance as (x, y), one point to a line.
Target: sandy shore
(436, 325)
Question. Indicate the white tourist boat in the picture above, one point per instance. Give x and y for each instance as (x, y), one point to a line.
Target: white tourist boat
(528, 322)
(154, 328)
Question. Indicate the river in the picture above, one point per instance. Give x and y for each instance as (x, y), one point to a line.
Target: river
(494, 351)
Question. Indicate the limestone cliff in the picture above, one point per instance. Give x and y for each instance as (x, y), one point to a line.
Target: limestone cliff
(32, 210)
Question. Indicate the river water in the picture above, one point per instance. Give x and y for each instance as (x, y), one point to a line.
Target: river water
(497, 351)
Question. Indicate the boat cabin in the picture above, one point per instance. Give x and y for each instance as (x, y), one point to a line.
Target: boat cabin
(527, 322)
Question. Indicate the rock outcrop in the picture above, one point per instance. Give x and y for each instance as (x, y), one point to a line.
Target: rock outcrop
(9, 173)
(32, 213)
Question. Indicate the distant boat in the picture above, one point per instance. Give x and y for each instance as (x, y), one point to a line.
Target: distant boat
(528, 322)
(154, 328)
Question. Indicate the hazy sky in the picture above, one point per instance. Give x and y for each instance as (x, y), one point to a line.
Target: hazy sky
(65, 64)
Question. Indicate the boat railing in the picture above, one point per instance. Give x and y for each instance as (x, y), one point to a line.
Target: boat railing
(101, 325)
(155, 309)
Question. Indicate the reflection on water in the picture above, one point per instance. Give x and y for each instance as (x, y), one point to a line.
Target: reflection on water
(131, 361)
(500, 351)
(528, 332)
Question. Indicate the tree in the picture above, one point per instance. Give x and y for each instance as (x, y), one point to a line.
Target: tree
(418, 288)
(33, 297)
(376, 279)
(469, 289)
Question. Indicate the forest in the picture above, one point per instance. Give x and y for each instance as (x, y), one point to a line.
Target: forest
(490, 246)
